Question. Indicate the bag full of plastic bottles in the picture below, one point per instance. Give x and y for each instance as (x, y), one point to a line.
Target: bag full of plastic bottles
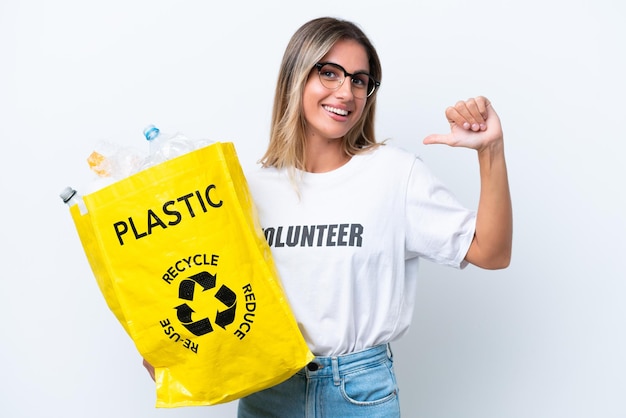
(174, 243)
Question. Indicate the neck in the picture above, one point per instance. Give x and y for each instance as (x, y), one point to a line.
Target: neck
(324, 156)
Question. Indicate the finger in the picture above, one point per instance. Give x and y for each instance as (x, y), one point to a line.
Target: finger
(456, 118)
(460, 116)
(477, 108)
(149, 368)
(482, 107)
(465, 114)
(437, 139)
(483, 103)
(475, 111)
(473, 107)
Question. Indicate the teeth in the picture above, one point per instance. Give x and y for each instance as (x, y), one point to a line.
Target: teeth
(341, 112)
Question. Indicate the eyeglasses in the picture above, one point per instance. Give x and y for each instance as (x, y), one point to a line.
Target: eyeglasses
(333, 75)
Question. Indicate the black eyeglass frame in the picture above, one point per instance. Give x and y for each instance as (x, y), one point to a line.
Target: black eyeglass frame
(346, 74)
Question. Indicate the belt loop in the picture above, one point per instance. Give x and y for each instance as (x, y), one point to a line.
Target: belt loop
(389, 352)
(335, 364)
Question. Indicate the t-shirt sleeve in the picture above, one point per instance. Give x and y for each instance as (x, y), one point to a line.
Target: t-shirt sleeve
(438, 227)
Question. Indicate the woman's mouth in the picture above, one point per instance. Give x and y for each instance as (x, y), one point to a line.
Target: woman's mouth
(337, 111)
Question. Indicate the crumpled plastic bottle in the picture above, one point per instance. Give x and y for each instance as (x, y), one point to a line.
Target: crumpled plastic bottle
(163, 147)
(112, 162)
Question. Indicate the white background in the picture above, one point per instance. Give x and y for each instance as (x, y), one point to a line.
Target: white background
(544, 338)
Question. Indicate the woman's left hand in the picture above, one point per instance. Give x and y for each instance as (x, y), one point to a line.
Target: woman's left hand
(473, 124)
(149, 368)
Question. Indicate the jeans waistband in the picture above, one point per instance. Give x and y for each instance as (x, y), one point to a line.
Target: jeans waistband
(337, 365)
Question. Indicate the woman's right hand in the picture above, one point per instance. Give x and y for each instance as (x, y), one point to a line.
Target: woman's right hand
(149, 368)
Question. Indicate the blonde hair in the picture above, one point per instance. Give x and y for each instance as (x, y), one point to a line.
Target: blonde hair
(307, 46)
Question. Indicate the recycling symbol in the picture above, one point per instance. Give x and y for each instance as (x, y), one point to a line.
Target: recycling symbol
(206, 281)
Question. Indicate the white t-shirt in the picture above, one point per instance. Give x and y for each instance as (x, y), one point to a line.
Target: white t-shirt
(347, 246)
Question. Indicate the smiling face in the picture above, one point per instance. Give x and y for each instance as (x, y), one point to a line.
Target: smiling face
(330, 114)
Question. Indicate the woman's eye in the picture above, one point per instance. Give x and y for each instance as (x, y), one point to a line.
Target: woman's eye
(360, 81)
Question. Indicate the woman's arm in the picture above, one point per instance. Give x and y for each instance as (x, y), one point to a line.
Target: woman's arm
(475, 124)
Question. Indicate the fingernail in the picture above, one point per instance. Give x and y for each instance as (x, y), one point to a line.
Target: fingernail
(475, 127)
(483, 126)
(466, 125)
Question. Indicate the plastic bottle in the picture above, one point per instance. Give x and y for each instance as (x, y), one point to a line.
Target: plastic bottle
(114, 161)
(71, 197)
(163, 147)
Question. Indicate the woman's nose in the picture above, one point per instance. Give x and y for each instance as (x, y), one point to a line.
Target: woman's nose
(345, 88)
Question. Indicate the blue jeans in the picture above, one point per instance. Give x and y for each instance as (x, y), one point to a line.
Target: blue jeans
(360, 384)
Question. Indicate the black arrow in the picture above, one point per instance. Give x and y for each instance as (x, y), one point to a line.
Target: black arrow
(186, 289)
(226, 296)
(205, 279)
(200, 327)
(183, 312)
(226, 317)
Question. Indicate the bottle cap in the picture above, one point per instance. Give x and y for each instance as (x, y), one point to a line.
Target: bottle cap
(67, 193)
(150, 132)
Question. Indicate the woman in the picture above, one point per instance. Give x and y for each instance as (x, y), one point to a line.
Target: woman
(348, 218)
